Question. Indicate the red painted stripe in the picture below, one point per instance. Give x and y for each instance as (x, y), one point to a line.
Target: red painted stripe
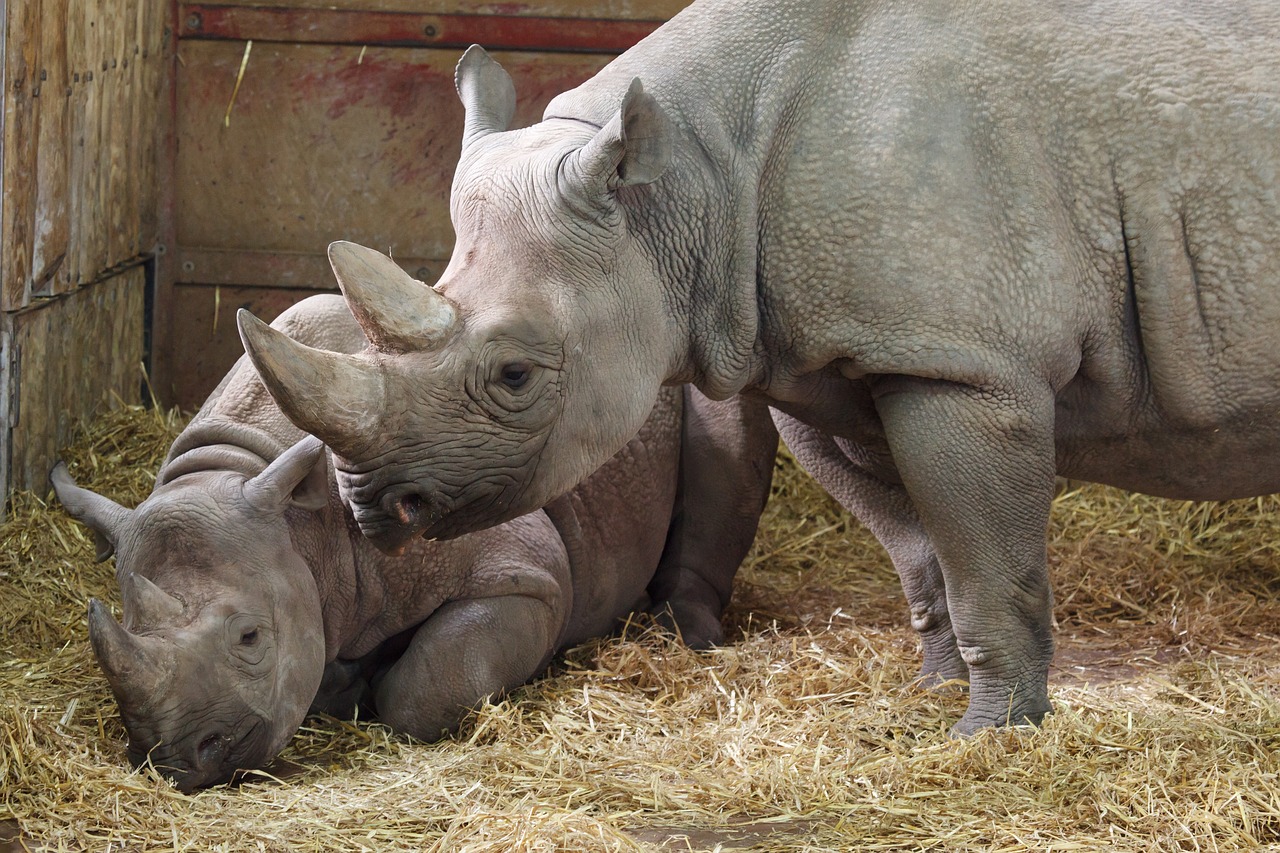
(335, 26)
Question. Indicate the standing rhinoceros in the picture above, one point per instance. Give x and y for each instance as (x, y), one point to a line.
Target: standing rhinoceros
(971, 241)
(245, 582)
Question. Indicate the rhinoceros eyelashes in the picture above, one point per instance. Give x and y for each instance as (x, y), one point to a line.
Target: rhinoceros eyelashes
(395, 311)
(486, 92)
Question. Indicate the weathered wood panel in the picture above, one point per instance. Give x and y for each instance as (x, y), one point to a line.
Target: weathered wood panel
(17, 211)
(81, 108)
(49, 271)
(328, 142)
(72, 355)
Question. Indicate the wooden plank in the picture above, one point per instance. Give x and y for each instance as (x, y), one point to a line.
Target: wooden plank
(93, 240)
(611, 9)
(72, 355)
(118, 127)
(77, 24)
(49, 271)
(336, 26)
(156, 116)
(17, 211)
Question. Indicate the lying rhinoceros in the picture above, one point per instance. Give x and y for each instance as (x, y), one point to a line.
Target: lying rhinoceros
(250, 596)
(973, 241)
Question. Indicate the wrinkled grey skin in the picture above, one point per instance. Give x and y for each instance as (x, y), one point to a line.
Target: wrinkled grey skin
(964, 244)
(249, 594)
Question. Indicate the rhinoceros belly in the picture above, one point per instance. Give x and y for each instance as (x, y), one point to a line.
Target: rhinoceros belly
(1239, 457)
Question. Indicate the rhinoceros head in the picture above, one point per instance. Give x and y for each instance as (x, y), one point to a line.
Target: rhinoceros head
(535, 357)
(222, 647)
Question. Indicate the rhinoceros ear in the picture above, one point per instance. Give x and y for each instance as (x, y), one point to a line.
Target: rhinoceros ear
(103, 515)
(334, 396)
(633, 148)
(486, 92)
(298, 477)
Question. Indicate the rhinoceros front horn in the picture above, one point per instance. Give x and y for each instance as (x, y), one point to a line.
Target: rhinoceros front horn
(333, 396)
(395, 311)
(136, 668)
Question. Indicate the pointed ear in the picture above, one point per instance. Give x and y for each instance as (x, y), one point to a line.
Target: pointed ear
(633, 148)
(103, 515)
(486, 92)
(299, 477)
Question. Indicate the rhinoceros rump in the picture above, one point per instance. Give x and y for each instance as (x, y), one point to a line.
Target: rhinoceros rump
(249, 594)
(958, 245)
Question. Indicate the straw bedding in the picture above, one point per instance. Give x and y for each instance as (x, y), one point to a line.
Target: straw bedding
(802, 734)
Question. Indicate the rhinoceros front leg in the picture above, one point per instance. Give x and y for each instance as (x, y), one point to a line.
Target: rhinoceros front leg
(726, 467)
(978, 465)
(466, 651)
(848, 475)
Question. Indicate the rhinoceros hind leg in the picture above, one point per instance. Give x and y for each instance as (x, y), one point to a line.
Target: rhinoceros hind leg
(847, 472)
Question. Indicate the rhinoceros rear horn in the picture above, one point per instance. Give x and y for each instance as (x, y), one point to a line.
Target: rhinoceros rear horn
(486, 92)
(149, 604)
(395, 311)
(333, 396)
(136, 667)
(103, 515)
(633, 148)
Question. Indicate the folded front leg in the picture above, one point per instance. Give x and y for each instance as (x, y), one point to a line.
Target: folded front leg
(466, 651)
(727, 452)
(978, 465)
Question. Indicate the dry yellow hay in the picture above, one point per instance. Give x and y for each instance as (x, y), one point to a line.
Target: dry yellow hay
(802, 735)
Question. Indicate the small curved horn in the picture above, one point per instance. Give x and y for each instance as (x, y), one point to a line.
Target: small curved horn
(134, 670)
(334, 396)
(103, 515)
(486, 92)
(150, 605)
(395, 311)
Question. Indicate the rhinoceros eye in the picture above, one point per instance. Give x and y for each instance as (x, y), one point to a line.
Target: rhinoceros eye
(249, 638)
(515, 375)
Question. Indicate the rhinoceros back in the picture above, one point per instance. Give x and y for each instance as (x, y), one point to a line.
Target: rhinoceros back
(240, 426)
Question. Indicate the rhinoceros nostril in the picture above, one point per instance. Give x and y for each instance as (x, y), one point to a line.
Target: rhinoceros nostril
(408, 508)
(209, 748)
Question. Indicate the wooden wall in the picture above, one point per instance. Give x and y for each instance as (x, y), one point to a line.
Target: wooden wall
(82, 84)
(339, 121)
